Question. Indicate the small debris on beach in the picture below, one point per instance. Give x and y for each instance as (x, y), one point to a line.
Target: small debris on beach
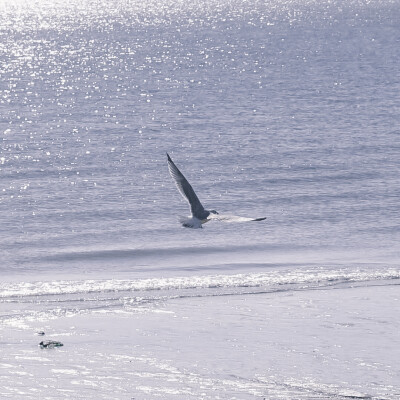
(40, 333)
(50, 344)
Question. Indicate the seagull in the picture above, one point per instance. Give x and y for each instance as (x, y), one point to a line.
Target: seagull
(199, 215)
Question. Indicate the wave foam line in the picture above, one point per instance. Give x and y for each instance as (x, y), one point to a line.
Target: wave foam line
(312, 277)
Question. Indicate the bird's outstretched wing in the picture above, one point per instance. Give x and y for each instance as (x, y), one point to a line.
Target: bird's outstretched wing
(233, 218)
(186, 189)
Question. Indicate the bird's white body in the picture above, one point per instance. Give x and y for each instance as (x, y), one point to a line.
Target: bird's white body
(190, 222)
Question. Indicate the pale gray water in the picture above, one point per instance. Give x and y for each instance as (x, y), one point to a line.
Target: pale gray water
(288, 110)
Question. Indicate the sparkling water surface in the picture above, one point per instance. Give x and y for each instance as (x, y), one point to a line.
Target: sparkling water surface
(283, 109)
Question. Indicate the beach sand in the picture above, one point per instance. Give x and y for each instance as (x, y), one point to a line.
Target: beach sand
(326, 343)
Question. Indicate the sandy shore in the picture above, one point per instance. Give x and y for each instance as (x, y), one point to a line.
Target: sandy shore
(328, 343)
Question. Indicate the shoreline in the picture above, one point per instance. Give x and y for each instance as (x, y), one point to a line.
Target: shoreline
(323, 343)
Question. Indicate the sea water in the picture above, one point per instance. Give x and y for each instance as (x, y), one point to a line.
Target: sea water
(288, 110)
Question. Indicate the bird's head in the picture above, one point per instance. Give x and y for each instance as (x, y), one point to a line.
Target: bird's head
(214, 212)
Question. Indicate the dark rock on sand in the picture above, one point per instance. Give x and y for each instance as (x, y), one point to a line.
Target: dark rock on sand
(50, 344)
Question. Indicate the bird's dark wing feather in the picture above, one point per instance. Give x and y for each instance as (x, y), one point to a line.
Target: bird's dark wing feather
(186, 189)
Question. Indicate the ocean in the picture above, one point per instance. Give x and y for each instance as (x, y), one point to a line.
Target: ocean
(287, 110)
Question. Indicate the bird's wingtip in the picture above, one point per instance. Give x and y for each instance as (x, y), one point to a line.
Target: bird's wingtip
(169, 158)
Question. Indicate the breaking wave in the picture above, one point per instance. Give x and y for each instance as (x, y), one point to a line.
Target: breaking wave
(273, 280)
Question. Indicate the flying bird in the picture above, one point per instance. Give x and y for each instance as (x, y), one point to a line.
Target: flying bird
(199, 215)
